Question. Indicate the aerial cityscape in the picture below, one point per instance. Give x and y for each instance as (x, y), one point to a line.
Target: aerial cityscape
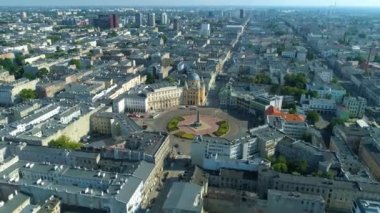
(189, 106)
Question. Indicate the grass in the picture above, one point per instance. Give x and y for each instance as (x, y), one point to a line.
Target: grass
(185, 135)
(223, 128)
(173, 124)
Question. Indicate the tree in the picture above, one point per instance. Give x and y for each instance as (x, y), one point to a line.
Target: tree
(75, 62)
(65, 142)
(42, 72)
(27, 94)
(54, 38)
(377, 59)
(297, 80)
(337, 121)
(362, 35)
(170, 79)
(307, 137)
(149, 79)
(313, 94)
(312, 116)
(112, 34)
(262, 78)
(302, 166)
(280, 167)
(310, 56)
(280, 49)
(164, 38)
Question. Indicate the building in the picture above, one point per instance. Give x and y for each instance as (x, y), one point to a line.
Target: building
(164, 18)
(149, 98)
(337, 194)
(320, 105)
(106, 21)
(115, 124)
(17, 202)
(205, 147)
(233, 179)
(296, 150)
(254, 101)
(177, 24)
(365, 206)
(77, 187)
(224, 200)
(194, 90)
(152, 20)
(54, 156)
(369, 153)
(139, 20)
(213, 154)
(268, 139)
(184, 197)
(9, 92)
(356, 106)
(293, 125)
(242, 13)
(281, 201)
(205, 30)
(5, 77)
(328, 91)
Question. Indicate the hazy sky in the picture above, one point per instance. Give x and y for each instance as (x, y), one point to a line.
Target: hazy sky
(341, 3)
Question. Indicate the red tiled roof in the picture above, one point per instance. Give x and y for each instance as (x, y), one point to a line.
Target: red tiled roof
(273, 111)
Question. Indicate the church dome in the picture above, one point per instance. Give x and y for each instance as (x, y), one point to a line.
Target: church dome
(192, 76)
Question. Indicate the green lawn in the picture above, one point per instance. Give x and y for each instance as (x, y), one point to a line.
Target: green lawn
(173, 124)
(223, 128)
(185, 135)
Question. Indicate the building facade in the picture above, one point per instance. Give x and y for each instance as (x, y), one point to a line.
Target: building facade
(194, 91)
(355, 106)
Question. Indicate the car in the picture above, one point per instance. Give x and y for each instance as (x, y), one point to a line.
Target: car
(182, 107)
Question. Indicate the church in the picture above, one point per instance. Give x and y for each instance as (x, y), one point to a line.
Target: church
(194, 90)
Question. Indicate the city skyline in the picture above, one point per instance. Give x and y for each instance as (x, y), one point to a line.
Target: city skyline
(301, 3)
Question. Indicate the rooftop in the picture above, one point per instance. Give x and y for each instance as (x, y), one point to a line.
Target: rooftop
(368, 206)
(185, 197)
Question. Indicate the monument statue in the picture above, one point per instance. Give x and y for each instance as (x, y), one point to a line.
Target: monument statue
(197, 123)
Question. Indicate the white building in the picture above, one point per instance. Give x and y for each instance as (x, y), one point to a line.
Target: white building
(293, 125)
(202, 148)
(154, 97)
(77, 187)
(205, 29)
(164, 18)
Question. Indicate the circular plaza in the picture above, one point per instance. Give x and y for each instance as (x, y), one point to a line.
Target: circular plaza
(187, 123)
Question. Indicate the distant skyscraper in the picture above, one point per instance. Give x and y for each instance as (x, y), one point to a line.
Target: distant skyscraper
(23, 15)
(164, 18)
(242, 13)
(113, 20)
(210, 14)
(205, 29)
(139, 20)
(177, 24)
(107, 21)
(152, 20)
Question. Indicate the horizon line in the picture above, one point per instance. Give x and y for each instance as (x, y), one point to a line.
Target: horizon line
(199, 5)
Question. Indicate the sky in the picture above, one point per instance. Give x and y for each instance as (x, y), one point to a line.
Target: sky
(340, 3)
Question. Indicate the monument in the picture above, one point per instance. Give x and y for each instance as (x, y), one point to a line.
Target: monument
(197, 123)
